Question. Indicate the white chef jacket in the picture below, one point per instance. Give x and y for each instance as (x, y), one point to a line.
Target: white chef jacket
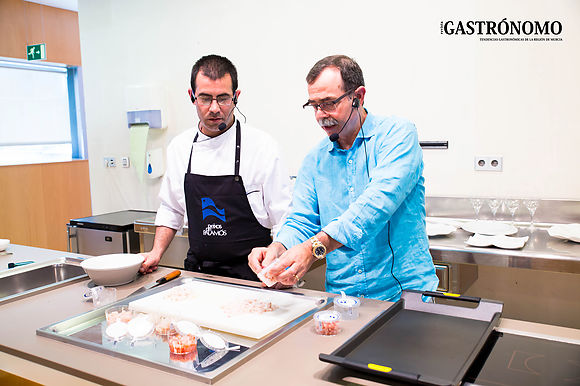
(265, 176)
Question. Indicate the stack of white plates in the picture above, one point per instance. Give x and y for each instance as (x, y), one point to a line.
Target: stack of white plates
(500, 241)
(490, 228)
(439, 229)
(566, 232)
(440, 226)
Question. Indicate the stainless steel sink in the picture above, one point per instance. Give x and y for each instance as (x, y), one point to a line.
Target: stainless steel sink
(28, 280)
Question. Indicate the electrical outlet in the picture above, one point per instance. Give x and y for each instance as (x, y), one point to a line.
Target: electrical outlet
(488, 163)
(125, 162)
(110, 162)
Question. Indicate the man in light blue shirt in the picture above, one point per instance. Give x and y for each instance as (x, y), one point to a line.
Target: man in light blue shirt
(359, 200)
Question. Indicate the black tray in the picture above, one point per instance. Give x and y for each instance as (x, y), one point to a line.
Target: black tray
(418, 342)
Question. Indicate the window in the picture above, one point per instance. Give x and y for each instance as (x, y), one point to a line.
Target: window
(41, 114)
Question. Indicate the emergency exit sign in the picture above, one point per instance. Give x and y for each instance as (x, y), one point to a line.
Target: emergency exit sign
(36, 52)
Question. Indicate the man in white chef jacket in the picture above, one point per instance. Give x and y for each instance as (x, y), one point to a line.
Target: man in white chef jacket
(224, 180)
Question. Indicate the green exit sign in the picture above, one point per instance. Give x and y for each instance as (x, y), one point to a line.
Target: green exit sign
(36, 52)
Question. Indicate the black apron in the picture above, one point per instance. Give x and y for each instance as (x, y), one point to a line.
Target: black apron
(222, 227)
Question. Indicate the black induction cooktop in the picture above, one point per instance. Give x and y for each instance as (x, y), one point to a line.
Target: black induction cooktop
(509, 359)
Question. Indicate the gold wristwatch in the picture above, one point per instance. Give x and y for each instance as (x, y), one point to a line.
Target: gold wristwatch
(318, 249)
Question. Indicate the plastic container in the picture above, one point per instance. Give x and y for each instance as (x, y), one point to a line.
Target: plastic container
(185, 327)
(181, 344)
(213, 341)
(116, 331)
(327, 322)
(163, 326)
(140, 327)
(347, 306)
(262, 275)
(118, 314)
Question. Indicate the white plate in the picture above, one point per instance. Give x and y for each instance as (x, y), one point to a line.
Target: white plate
(501, 241)
(566, 232)
(491, 228)
(438, 229)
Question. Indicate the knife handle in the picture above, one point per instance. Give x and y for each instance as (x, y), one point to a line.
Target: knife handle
(169, 276)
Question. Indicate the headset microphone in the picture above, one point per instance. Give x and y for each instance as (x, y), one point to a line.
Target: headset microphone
(334, 136)
(222, 126)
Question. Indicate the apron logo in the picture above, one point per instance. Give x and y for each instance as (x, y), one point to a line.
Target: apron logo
(214, 230)
(209, 208)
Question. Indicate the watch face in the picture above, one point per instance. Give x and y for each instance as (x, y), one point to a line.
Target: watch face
(319, 251)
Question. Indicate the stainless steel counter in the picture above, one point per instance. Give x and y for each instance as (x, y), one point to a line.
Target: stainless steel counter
(175, 253)
(538, 282)
(541, 251)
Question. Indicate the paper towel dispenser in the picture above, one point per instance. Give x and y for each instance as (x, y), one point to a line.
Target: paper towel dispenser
(152, 117)
(145, 104)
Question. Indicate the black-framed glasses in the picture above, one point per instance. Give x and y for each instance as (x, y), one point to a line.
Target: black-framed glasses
(326, 106)
(222, 100)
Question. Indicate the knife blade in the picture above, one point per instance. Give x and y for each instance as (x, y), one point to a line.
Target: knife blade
(170, 276)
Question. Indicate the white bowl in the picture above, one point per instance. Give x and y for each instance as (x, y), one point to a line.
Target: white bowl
(4, 244)
(114, 269)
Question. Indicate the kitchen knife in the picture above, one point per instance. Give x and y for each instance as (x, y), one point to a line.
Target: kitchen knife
(170, 276)
(12, 265)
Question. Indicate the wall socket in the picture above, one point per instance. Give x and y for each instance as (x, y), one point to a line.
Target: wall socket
(125, 162)
(110, 162)
(488, 163)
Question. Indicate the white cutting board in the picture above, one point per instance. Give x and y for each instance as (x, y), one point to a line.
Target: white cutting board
(217, 306)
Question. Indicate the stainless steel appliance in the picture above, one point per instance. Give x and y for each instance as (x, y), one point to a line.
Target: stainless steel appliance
(175, 254)
(105, 233)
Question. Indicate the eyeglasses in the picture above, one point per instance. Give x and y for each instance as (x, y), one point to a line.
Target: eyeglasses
(327, 106)
(222, 100)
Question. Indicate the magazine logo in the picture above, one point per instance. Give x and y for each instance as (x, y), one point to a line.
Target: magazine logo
(214, 230)
(505, 30)
(209, 208)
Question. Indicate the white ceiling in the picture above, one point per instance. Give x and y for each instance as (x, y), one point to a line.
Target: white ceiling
(71, 5)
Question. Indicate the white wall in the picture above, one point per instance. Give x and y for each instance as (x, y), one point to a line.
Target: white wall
(515, 99)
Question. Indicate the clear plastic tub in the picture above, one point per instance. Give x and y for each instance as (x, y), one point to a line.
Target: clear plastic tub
(185, 327)
(327, 322)
(117, 330)
(163, 326)
(347, 306)
(140, 327)
(181, 344)
(118, 314)
(213, 341)
(262, 275)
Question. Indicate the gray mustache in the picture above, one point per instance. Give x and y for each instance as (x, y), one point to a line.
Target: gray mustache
(327, 121)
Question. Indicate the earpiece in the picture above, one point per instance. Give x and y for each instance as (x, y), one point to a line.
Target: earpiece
(334, 136)
(235, 99)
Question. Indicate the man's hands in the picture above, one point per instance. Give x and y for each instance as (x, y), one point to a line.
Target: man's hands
(292, 264)
(261, 257)
(163, 237)
(150, 263)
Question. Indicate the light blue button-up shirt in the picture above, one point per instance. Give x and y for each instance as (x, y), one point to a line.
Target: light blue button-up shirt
(379, 220)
